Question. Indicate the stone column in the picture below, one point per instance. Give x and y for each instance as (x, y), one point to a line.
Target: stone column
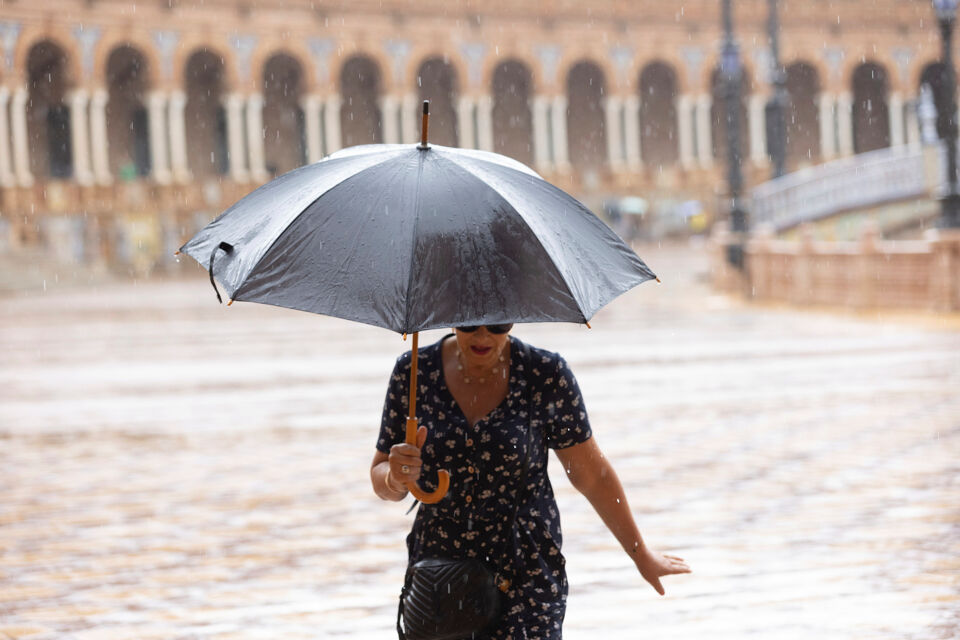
(613, 107)
(561, 155)
(99, 143)
(79, 138)
(331, 124)
(485, 123)
(258, 168)
(236, 151)
(828, 125)
(845, 124)
(21, 142)
(541, 133)
(7, 179)
(912, 126)
(685, 130)
(390, 113)
(631, 132)
(410, 112)
(758, 130)
(156, 108)
(178, 137)
(311, 117)
(467, 132)
(895, 110)
(704, 138)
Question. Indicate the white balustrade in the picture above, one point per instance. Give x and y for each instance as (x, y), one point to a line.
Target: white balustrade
(864, 180)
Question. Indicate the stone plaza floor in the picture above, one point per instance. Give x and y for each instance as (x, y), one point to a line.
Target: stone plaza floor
(175, 469)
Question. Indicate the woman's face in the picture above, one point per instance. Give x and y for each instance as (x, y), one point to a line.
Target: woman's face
(480, 347)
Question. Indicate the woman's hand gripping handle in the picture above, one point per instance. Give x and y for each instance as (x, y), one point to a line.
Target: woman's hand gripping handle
(406, 464)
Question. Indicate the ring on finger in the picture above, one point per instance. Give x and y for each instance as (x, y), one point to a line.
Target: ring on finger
(405, 468)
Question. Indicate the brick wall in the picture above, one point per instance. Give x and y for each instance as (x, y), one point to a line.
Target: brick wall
(866, 274)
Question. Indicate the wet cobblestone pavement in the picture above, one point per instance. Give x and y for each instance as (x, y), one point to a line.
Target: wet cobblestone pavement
(174, 469)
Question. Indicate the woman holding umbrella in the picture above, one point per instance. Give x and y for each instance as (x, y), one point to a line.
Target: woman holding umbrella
(493, 406)
(417, 237)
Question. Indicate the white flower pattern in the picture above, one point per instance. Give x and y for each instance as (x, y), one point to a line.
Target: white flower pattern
(470, 520)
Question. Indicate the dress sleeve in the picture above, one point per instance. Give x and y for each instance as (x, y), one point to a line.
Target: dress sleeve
(394, 420)
(564, 414)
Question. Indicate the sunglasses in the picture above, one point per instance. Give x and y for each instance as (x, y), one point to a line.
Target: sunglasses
(498, 329)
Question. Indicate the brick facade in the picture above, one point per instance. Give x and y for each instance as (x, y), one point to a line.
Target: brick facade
(220, 95)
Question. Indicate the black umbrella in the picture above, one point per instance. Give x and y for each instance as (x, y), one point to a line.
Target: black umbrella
(415, 237)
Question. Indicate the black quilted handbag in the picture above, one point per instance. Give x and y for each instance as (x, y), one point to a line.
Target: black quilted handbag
(454, 599)
(444, 599)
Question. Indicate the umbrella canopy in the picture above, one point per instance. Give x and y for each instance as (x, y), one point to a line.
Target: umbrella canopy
(411, 237)
(414, 237)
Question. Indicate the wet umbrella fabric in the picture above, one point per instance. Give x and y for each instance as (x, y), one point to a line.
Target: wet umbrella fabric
(411, 239)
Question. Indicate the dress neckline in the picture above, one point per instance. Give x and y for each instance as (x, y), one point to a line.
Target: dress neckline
(453, 401)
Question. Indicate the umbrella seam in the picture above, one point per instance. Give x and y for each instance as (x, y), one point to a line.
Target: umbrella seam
(273, 242)
(535, 236)
(413, 243)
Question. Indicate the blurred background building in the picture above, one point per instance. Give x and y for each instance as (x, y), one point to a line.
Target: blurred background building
(126, 125)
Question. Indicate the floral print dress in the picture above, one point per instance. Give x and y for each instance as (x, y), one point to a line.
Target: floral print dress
(485, 463)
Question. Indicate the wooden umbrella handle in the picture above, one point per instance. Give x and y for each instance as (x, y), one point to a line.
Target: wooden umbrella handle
(443, 478)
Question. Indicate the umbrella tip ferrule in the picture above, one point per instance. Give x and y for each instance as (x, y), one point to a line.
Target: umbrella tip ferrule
(176, 253)
(424, 126)
(588, 324)
(657, 279)
(230, 302)
(404, 336)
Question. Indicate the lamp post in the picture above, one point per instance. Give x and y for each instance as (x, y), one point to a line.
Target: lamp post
(775, 111)
(950, 202)
(731, 73)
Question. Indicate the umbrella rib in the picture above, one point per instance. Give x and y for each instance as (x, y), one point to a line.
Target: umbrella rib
(553, 261)
(413, 243)
(269, 247)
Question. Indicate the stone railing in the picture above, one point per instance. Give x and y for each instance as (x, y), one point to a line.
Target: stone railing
(857, 182)
(870, 273)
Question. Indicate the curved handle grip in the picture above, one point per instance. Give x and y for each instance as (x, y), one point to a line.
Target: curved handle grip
(443, 478)
(443, 483)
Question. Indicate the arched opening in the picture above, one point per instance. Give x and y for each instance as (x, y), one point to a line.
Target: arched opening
(586, 133)
(360, 118)
(933, 77)
(718, 116)
(658, 115)
(205, 116)
(803, 114)
(284, 133)
(437, 83)
(48, 115)
(871, 117)
(512, 119)
(128, 135)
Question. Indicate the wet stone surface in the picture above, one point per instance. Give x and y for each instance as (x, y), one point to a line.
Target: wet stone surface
(170, 468)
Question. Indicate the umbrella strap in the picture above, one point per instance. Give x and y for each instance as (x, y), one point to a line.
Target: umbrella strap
(228, 248)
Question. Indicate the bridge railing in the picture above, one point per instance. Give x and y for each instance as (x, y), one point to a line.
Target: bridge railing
(857, 182)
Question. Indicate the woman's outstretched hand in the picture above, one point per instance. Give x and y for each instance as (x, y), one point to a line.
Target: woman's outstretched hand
(653, 566)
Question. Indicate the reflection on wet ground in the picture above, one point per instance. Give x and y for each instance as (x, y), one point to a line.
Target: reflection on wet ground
(170, 468)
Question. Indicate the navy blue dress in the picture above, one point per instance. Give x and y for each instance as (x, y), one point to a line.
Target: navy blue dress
(485, 462)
